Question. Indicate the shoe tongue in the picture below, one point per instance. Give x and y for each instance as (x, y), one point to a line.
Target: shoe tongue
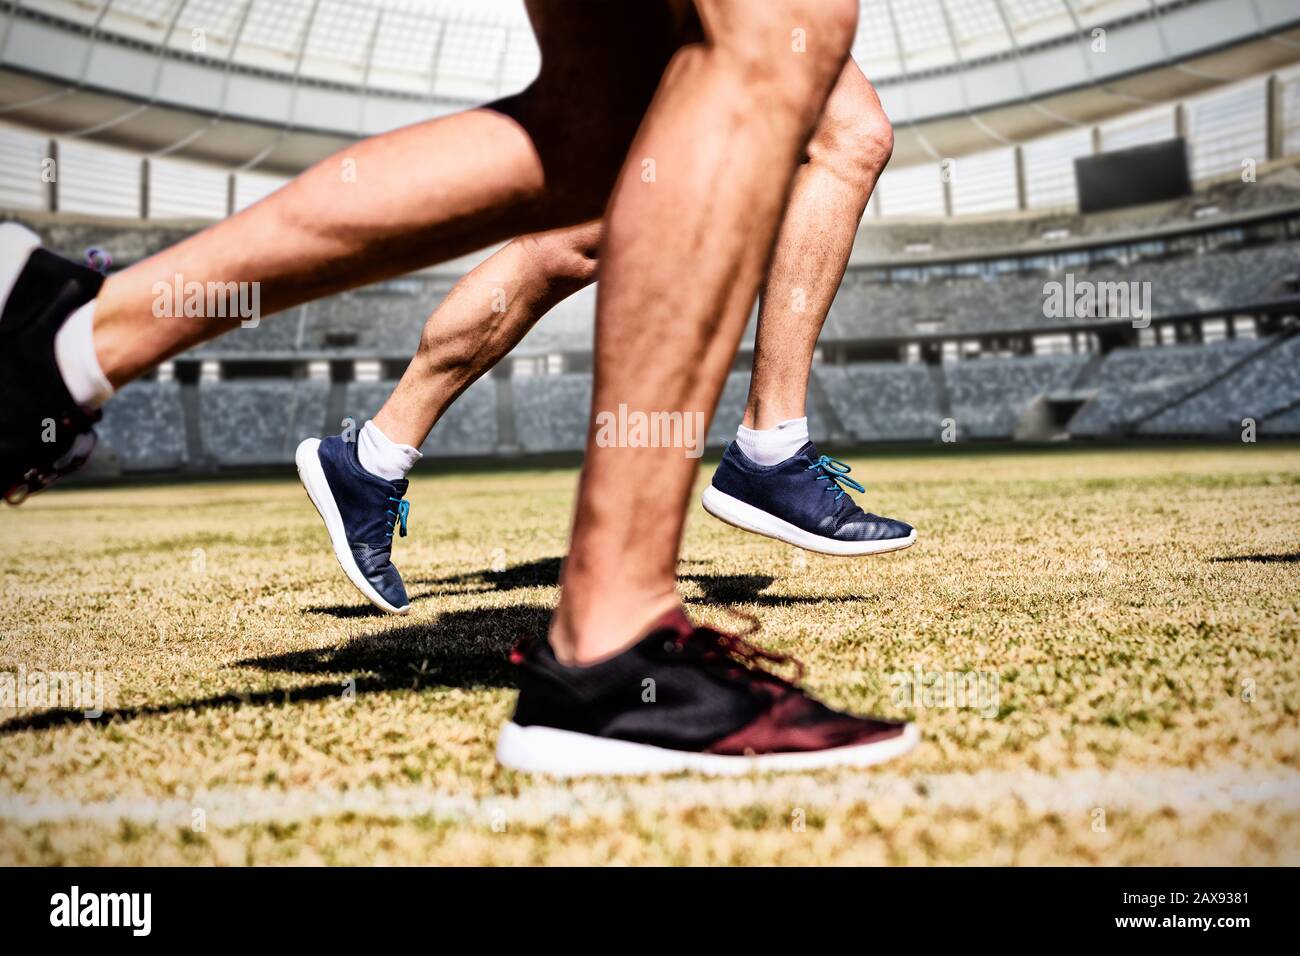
(400, 486)
(845, 506)
(848, 508)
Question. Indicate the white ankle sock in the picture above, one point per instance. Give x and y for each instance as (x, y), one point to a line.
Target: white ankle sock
(382, 456)
(771, 446)
(74, 354)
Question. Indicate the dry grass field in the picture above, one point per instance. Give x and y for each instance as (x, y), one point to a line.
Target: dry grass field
(1102, 648)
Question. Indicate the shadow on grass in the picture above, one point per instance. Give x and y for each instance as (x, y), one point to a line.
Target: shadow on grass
(538, 573)
(545, 572)
(347, 610)
(467, 649)
(1291, 558)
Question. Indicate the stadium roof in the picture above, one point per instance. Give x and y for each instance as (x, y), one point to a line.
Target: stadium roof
(275, 84)
(456, 49)
(430, 45)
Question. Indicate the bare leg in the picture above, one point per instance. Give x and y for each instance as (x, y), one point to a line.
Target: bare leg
(468, 333)
(846, 156)
(465, 337)
(684, 253)
(419, 195)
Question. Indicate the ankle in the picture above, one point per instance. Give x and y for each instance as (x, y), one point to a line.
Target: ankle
(383, 457)
(771, 446)
(402, 421)
(584, 635)
(78, 364)
(762, 416)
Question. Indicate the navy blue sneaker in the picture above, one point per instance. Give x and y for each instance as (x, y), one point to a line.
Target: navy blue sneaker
(361, 511)
(802, 501)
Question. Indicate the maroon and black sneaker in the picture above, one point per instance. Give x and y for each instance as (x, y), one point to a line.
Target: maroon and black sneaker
(681, 698)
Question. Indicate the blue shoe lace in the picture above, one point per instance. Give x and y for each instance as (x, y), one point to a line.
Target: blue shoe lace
(403, 509)
(836, 472)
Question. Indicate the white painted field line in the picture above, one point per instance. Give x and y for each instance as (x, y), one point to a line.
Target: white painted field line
(1069, 792)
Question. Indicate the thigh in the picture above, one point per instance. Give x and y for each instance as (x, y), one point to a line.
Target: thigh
(853, 97)
(610, 32)
(604, 60)
(601, 63)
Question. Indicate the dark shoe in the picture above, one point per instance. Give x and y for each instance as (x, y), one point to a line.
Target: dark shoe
(682, 698)
(803, 502)
(44, 434)
(361, 511)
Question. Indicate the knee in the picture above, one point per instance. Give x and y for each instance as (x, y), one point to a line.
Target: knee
(856, 146)
(854, 137)
(877, 144)
(785, 50)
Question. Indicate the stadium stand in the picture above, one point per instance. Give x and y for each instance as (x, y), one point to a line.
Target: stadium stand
(883, 402)
(468, 428)
(279, 334)
(881, 240)
(551, 411)
(1267, 380)
(731, 408)
(989, 395)
(970, 291)
(1215, 281)
(1132, 383)
(1278, 188)
(259, 422)
(888, 292)
(1282, 424)
(126, 241)
(369, 322)
(566, 328)
(144, 425)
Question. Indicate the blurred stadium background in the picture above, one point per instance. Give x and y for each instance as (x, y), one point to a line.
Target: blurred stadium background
(164, 115)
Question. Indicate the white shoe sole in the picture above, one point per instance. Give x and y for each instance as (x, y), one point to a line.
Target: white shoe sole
(307, 457)
(563, 753)
(746, 517)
